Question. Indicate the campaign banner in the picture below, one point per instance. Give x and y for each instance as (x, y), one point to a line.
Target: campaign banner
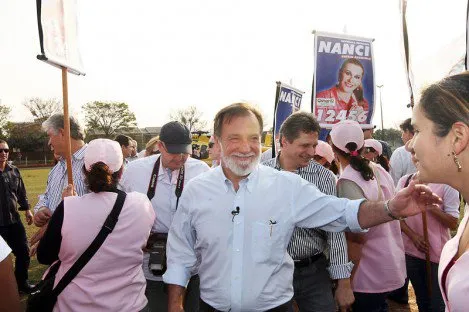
(344, 84)
(58, 35)
(287, 101)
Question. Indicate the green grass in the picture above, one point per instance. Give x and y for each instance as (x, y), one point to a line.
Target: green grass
(35, 181)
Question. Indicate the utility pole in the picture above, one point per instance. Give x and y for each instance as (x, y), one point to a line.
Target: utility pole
(381, 106)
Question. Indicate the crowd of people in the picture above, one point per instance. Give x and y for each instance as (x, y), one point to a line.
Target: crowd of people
(322, 226)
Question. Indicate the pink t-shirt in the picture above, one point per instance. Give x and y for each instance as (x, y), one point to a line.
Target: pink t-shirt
(113, 279)
(456, 290)
(382, 263)
(438, 234)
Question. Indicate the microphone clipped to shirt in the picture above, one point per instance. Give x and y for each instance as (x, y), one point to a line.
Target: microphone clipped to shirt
(234, 213)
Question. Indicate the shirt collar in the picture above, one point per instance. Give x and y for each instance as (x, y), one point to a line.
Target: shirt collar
(312, 166)
(249, 181)
(78, 155)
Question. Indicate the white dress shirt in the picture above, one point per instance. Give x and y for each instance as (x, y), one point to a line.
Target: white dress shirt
(5, 250)
(136, 178)
(401, 164)
(244, 264)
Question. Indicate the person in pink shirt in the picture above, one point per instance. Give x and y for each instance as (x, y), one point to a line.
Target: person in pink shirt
(113, 278)
(440, 150)
(440, 219)
(325, 157)
(378, 255)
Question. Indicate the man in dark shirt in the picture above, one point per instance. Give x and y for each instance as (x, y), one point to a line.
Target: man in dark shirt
(13, 193)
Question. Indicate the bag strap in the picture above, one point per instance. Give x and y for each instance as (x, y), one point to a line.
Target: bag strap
(106, 229)
(376, 174)
(407, 182)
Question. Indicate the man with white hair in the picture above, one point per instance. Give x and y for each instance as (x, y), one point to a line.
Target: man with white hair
(57, 179)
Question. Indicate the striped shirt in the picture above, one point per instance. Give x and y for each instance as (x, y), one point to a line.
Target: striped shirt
(57, 181)
(306, 243)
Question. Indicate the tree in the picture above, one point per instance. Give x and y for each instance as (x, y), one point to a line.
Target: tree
(27, 136)
(391, 136)
(4, 112)
(109, 117)
(191, 117)
(41, 109)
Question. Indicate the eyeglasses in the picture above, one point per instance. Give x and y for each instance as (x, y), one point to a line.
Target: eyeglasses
(210, 145)
(369, 150)
(5, 150)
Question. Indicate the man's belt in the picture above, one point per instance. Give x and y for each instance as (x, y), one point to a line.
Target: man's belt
(204, 307)
(308, 261)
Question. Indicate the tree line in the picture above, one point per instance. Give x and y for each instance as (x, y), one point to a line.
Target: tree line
(104, 118)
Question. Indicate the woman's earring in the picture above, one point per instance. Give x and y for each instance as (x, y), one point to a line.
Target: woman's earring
(456, 161)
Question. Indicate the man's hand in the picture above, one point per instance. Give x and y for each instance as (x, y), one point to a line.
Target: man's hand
(35, 239)
(176, 298)
(420, 243)
(344, 294)
(412, 200)
(69, 190)
(42, 216)
(29, 217)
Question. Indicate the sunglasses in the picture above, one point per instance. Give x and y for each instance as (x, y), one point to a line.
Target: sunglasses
(5, 150)
(210, 145)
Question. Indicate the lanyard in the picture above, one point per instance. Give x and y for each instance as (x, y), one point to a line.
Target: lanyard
(154, 180)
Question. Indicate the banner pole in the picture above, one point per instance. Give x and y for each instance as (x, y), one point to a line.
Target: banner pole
(67, 125)
(277, 94)
(427, 254)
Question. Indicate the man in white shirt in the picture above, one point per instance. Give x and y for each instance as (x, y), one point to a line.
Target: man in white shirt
(161, 177)
(234, 223)
(401, 160)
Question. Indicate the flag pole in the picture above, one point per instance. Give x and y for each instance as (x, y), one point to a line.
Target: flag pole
(427, 254)
(67, 125)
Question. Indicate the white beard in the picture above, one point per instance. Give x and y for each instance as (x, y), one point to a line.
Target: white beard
(240, 168)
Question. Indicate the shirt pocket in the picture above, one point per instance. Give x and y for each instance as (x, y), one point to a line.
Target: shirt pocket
(267, 242)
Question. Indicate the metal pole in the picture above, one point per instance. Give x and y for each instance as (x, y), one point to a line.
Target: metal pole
(381, 106)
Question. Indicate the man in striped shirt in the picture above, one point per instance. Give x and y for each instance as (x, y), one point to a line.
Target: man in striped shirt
(309, 248)
(57, 180)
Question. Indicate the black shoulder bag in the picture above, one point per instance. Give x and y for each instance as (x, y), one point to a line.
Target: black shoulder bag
(44, 297)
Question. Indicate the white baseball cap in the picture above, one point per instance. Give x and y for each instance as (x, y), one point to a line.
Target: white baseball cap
(106, 151)
(347, 131)
(375, 144)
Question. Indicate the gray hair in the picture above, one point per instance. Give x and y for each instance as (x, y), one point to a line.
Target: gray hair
(56, 122)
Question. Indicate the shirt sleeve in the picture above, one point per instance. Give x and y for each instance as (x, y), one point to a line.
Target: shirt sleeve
(397, 170)
(21, 192)
(451, 201)
(340, 267)
(349, 189)
(313, 209)
(181, 257)
(44, 198)
(5, 250)
(49, 246)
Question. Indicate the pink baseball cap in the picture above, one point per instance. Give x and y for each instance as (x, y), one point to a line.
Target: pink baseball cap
(347, 131)
(106, 151)
(375, 145)
(325, 150)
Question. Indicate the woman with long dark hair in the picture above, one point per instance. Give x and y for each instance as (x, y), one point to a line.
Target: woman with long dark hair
(113, 278)
(378, 255)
